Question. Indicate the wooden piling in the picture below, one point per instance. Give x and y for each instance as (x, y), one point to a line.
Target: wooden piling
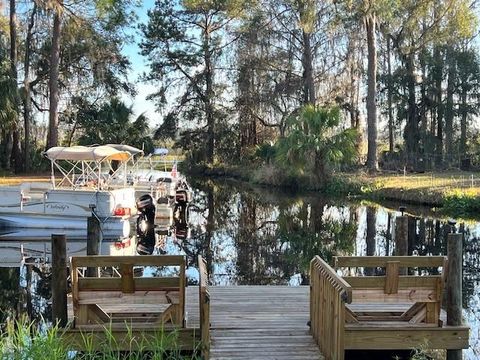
(94, 237)
(59, 279)
(401, 239)
(454, 286)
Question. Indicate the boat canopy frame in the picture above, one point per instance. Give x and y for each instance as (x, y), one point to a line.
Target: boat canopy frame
(82, 166)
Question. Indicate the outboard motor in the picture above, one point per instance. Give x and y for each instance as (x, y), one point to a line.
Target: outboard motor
(145, 225)
(183, 194)
(181, 221)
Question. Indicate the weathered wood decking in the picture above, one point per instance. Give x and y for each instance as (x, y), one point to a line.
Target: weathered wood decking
(257, 322)
(265, 322)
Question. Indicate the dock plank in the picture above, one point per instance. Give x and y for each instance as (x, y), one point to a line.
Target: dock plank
(260, 322)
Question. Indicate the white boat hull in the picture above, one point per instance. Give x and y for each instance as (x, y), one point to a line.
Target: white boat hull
(113, 228)
(65, 209)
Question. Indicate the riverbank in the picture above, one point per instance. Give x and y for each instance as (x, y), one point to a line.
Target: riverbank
(11, 180)
(456, 193)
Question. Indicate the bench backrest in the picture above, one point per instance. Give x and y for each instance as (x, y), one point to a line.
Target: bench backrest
(394, 287)
(126, 288)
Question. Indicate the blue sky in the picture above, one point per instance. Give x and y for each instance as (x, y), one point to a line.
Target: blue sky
(139, 66)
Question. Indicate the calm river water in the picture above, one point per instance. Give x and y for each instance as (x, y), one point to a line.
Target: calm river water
(258, 236)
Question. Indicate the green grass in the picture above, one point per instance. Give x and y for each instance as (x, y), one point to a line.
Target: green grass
(432, 181)
(15, 180)
(24, 340)
(456, 193)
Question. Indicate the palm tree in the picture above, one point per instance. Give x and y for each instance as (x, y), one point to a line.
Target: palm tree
(320, 146)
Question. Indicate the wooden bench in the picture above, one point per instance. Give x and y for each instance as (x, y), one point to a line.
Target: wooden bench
(123, 298)
(392, 296)
(389, 311)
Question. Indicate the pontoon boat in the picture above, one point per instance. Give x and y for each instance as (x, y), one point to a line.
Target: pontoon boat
(84, 186)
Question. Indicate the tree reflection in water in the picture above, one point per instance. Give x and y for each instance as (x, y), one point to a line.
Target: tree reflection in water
(25, 292)
(258, 236)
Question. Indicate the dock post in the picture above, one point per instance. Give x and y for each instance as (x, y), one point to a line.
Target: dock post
(454, 284)
(59, 279)
(401, 237)
(94, 235)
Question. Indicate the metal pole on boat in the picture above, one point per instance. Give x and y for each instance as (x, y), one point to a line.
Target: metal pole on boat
(99, 185)
(59, 279)
(125, 169)
(454, 284)
(94, 237)
(52, 173)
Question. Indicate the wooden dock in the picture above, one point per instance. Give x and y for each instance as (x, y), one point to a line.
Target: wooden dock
(265, 322)
(257, 322)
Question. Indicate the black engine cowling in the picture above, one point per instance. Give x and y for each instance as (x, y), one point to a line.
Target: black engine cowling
(145, 225)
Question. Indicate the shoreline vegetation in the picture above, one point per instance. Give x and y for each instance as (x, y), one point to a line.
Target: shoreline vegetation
(455, 193)
(24, 339)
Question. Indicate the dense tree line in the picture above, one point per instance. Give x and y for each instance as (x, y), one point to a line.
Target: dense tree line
(61, 61)
(409, 69)
(233, 76)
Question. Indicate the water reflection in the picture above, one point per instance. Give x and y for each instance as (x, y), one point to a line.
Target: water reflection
(256, 236)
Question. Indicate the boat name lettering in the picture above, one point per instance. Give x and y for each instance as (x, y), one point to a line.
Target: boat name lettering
(62, 207)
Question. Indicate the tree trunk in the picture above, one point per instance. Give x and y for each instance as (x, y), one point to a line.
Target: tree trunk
(449, 107)
(209, 230)
(411, 129)
(371, 235)
(412, 234)
(53, 83)
(463, 126)
(27, 101)
(321, 170)
(12, 146)
(308, 79)
(16, 159)
(247, 102)
(389, 99)
(209, 95)
(354, 89)
(438, 76)
(13, 39)
(423, 106)
(388, 234)
(72, 133)
(249, 250)
(372, 163)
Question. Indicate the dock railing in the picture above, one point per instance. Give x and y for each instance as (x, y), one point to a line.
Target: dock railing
(328, 295)
(204, 303)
